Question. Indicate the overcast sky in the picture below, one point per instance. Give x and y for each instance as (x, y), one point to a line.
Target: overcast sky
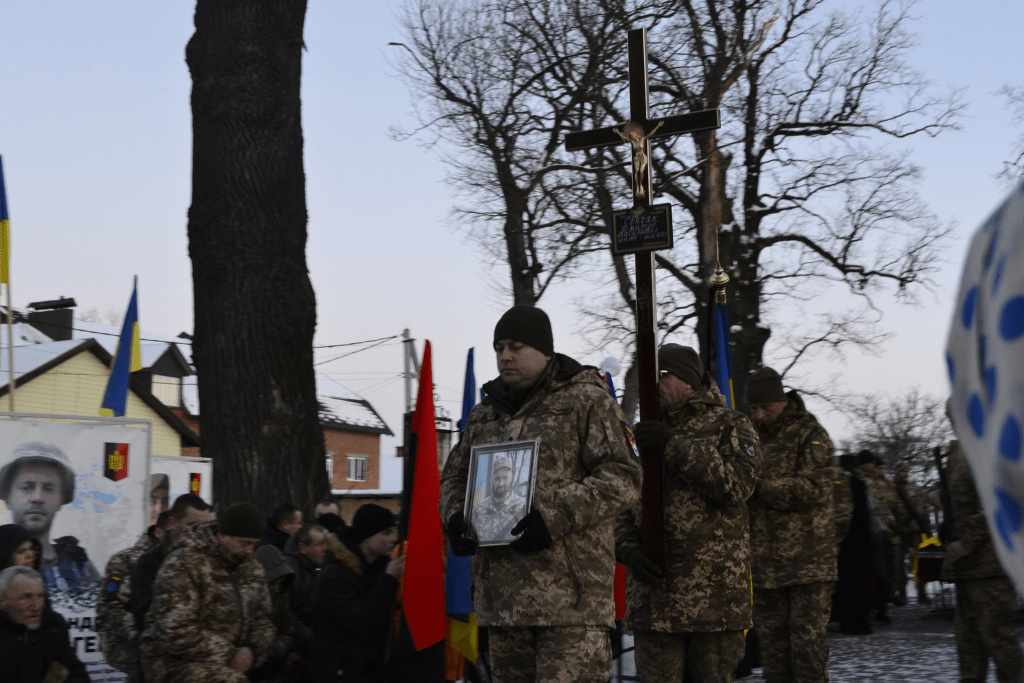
(95, 134)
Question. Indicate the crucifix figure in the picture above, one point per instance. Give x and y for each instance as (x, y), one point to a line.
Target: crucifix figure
(638, 132)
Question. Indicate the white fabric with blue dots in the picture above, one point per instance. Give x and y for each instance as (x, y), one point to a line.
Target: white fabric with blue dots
(985, 361)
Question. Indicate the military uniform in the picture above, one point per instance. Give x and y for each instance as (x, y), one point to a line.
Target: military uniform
(548, 612)
(114, 621)
(494, 519)
(793, 545)
(206, 606)
(696, 618)
(984, 618)
(842, 502)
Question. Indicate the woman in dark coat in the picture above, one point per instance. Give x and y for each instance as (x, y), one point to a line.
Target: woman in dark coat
(18, 548)
(354, 598)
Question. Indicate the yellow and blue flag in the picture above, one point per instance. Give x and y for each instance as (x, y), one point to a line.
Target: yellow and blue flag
(462, 631)
(5, 232)
(127, 360)
(723, 363)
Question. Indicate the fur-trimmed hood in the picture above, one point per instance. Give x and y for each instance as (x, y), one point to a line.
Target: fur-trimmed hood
(342, 554)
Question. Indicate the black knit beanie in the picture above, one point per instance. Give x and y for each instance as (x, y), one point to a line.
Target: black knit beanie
(526, 324)
(765, 386)
(683, 362)
(370, 519)
(242, 520)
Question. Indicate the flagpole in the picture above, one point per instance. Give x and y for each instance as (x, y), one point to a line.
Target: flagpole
(10, 345)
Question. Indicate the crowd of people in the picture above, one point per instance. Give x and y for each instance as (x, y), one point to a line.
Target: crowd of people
(766, 532)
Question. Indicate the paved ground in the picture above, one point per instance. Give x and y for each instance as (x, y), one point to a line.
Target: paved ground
(917, 646)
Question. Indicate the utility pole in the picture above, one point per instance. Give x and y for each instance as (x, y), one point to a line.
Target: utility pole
(412, 366)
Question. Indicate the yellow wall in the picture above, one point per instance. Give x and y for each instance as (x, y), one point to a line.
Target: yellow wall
(75, 387)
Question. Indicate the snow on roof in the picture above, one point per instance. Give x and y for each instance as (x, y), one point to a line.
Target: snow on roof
(30, 354)
(342, 406)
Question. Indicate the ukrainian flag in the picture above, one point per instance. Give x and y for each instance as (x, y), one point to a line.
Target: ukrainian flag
(5, 232)
(723, 363)
(127, 360)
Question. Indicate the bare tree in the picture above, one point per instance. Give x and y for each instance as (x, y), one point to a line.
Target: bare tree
(500, 83)
(902, 429)
(1013, 169)
(254, 305)
(800, 190)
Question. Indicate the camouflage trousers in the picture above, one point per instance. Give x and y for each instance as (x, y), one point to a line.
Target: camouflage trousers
(550, 654)
(711, 657)
(985, 630)
(792, 624)
(206, 673)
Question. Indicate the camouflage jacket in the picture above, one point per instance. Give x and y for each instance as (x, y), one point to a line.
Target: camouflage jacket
(969, 524)
(587, 474)
(206, 606)
(842, 498)
(792, 524)
(114, 621)
(711, 466)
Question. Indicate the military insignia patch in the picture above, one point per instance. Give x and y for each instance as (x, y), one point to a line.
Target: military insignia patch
(113, 584)
(195, 480)
(748, 448)
(630, 439)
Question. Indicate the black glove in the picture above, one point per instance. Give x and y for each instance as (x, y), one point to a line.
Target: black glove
(653, 436)
(535, 536)
(644, 568)
(461, 544)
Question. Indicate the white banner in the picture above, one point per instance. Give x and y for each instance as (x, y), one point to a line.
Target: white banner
(185, 473)
(80, 488)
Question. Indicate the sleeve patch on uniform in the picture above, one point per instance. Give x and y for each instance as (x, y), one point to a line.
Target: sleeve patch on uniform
(748, 447)
(815, 442)
(113, 583)
(630, 439)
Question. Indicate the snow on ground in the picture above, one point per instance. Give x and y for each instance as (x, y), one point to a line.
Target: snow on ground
(918, 645)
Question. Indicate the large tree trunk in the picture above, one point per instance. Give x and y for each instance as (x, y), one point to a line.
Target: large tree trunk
(255, 311)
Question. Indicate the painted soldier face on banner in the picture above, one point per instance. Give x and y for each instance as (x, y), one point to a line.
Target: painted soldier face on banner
(35, 496)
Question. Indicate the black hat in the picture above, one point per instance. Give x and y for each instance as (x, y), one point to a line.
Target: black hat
(370, 519)
(865, 457)
(765, 386)
(683, 362)
(332, 522)
(242, 520)
(526, 324)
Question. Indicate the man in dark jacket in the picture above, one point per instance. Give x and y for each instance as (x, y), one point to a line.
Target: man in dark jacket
(285, 519)
(852, 604)
(354, 599)
(34, 643)
(305, 553)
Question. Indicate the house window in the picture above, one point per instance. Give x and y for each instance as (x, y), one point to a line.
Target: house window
(167, 390)
(356, 468)
(330, 467)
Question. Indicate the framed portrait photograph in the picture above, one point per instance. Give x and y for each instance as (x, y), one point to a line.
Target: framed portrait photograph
(502, 479)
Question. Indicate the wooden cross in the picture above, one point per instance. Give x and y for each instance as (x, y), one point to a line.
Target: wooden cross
(639, 132)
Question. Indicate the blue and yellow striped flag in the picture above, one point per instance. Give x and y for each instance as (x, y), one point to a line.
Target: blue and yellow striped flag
(723, 362)
(127, 360)
(5, 232)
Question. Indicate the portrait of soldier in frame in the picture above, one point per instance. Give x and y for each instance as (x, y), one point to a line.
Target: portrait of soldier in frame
(504, 476)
